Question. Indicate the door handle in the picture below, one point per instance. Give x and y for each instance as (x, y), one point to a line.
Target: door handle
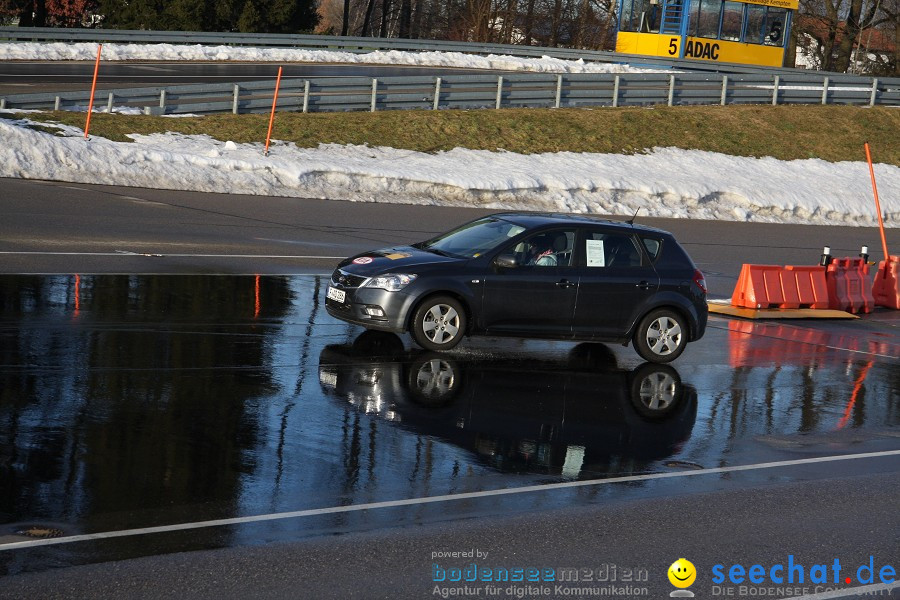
(644, 285)
(565, 283)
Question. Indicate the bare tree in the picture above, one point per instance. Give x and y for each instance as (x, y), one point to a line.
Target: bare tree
(368, 19)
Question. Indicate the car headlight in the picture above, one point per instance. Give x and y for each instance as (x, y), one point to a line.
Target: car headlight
(392, 282)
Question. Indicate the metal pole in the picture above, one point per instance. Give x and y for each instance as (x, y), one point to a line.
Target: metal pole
(775, 90)
(724, 89)
(306, 96)
(874, 91)
(671, 89)
(56, 103)
(437, 93)
(235, 101)
(887, 257)
(558, 90)
(374, 94)
(272, 117)
(825, 90)
(87, 123)
(2, 103)
(499, 91)
(616, 92)
(109, 103)
(162, 100)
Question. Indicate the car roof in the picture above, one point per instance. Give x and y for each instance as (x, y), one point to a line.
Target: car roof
(537, 219)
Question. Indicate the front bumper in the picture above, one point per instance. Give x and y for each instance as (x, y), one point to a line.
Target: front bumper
(396, 306)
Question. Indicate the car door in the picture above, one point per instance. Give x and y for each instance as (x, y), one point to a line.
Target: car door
(537, 296)
(615, 280)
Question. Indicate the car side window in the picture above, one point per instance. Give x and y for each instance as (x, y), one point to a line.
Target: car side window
(651, 245)
(546, 249)
(603, 250)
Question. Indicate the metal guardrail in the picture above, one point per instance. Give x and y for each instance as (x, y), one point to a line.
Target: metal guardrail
(482, 91)
(364, 45)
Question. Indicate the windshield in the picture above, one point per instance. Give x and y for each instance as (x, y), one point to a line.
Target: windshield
(473, 239)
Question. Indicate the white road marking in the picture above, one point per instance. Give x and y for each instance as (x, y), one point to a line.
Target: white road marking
(433, 499)
(876, 591)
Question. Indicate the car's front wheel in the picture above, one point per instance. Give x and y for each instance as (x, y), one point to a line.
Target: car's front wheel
(661, 336)
(439, 323)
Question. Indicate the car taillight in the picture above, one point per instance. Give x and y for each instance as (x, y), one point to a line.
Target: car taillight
(700, 280)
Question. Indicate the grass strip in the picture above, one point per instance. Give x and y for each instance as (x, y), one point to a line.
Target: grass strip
(832, 133)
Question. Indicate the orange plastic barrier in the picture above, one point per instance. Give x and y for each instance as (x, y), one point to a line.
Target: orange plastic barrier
(812, 290)
(868, 300)
(758, 286)
(768, 286)
(886, 289)
(848, 285)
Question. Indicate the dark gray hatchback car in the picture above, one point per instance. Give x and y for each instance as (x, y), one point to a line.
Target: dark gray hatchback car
(530, 275)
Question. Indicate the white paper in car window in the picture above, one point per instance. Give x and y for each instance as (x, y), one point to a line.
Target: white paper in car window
(595, 254)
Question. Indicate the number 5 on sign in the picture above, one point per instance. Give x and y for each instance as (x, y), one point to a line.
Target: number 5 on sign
(673, 47)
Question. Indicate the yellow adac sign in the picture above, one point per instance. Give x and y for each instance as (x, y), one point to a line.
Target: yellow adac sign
(669, 46)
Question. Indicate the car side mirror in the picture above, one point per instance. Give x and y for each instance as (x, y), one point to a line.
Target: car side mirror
(506, 261)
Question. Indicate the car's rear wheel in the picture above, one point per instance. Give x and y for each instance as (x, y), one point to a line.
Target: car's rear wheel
(656, 390)
(439, 323)
(661, 336)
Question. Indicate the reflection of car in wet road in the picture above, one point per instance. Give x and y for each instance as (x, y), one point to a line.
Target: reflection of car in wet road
(569, 417)
(530, 275)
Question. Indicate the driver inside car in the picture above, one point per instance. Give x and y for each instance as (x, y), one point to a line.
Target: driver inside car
(542, 253)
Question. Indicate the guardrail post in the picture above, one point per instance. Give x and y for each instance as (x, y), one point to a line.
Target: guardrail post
(162, 101)
(558, 90)
(306, 96)
(775, 90)
(109, 103)
(437, 93)
(874, 95)
(57, 102)
(499, 91)
(374, 94)
(825, 90)
(235, 100)
(724, 90)
(3, 103)
(671, 89)
(616, 92)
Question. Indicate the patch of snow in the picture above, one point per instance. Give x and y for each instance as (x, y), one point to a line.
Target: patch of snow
(665, 182)
(171, 52)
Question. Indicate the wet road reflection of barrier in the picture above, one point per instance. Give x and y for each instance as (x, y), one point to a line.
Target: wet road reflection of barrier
(575, 417)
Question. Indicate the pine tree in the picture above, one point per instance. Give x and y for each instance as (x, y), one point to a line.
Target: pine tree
(250, 20)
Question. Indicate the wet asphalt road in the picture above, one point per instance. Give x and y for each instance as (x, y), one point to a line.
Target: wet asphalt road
(28, 77)
(180, 387)
(54, 227)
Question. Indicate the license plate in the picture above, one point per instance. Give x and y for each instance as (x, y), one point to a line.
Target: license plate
(336, 294)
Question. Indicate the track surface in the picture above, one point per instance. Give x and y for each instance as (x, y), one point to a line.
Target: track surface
(271, 407)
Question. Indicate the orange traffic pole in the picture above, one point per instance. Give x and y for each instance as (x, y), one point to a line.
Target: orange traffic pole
(87, 124)
(272, 117)
(884, 247)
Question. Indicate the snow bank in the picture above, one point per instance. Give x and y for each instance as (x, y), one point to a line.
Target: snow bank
(666, 182)
(166, 52)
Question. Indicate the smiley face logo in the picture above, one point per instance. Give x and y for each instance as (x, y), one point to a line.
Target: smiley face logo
(682, 573)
